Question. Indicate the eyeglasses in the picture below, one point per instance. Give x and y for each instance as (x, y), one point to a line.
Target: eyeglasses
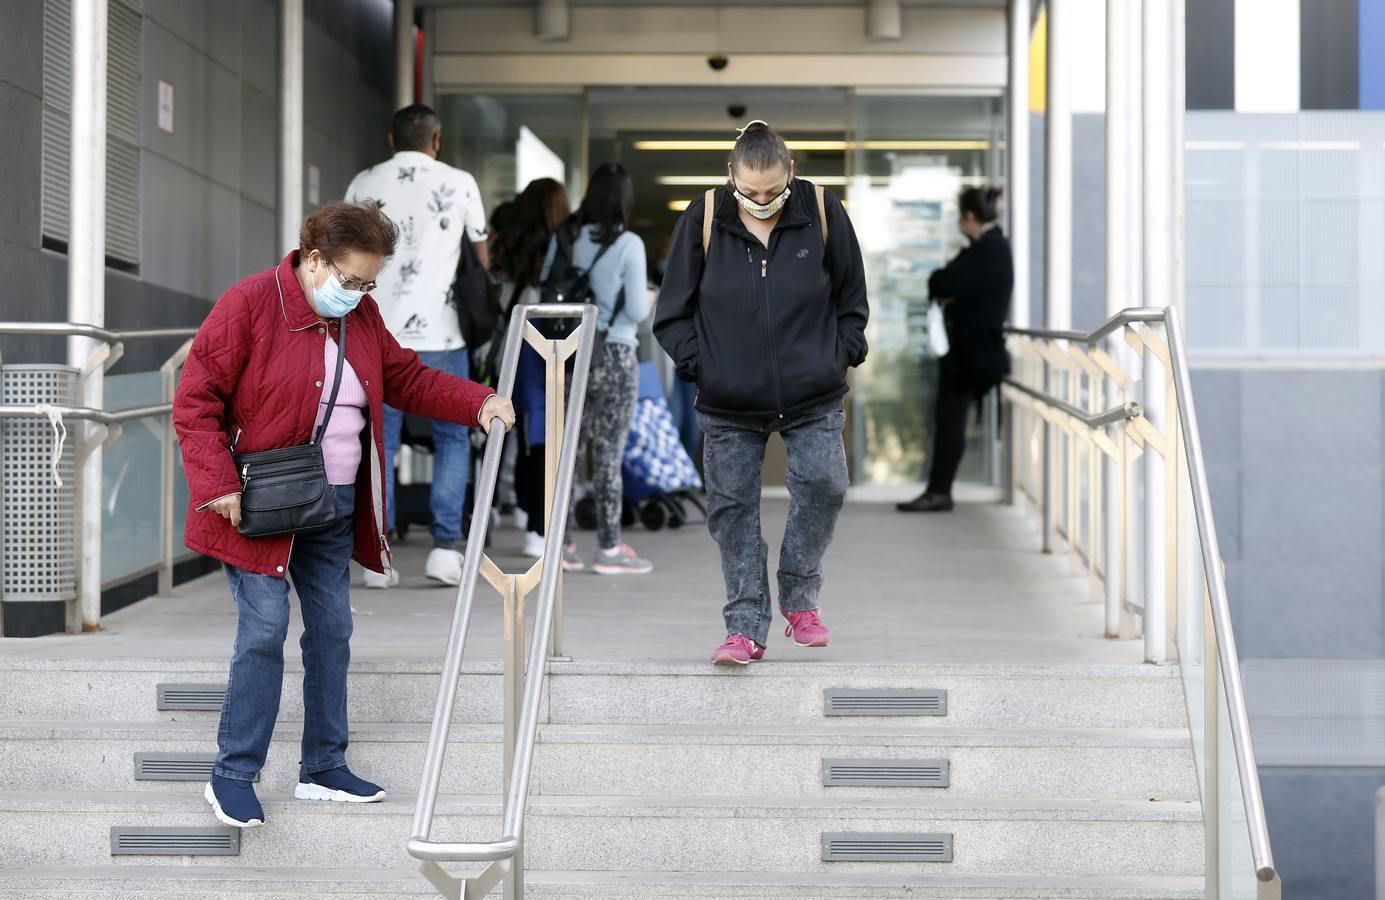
(351, 284)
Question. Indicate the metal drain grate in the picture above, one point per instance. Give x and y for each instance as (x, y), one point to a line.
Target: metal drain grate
(192, 696)
(175, 766)
(926, 773)
(848, 846)
(885, 702)
(211, 841)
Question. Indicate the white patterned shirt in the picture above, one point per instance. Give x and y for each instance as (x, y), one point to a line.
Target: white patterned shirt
(436, 207)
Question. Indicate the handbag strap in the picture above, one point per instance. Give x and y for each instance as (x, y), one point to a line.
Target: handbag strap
(336, 382)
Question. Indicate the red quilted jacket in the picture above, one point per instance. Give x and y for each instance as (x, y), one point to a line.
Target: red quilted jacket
(256, 370)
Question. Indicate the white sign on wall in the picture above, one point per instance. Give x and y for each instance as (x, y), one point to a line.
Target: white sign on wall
(165, 106)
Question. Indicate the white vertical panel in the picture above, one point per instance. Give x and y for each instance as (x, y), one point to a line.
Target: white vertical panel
(1087, 37)
(1267, 55)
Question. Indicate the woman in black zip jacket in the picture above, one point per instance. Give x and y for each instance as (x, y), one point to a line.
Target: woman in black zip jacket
(975, 292)
(763, 307)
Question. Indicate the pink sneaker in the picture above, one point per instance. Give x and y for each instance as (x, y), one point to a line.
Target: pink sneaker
(805, 628)
(737, 650)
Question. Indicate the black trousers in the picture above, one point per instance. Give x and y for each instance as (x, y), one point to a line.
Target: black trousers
(955, 401)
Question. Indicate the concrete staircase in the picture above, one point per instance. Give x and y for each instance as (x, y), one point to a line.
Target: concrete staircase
(650, 781)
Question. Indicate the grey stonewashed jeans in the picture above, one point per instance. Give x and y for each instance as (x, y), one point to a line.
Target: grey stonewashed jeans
(733, 454)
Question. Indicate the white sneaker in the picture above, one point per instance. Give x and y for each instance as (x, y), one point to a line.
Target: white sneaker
(377, 581)
(521, 519)
(444, 566)
(533, 544)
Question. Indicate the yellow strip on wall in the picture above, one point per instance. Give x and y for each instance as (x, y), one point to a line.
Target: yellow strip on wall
(1038, 57)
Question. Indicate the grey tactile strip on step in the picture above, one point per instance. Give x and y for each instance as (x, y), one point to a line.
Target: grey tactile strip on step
(885, 846)
(884, 702)
(209, 841)
(175, 766)
(925, 773)
(208, 697)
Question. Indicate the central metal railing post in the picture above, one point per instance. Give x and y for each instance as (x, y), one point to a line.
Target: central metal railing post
(514, 695)
(523, 672)
(555, 363)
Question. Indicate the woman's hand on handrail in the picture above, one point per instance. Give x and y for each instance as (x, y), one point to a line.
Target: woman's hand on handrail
(497, 407)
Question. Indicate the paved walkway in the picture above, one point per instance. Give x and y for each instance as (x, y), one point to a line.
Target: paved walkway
(970, 587)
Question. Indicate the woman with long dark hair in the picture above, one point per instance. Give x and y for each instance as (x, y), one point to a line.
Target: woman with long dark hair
(974, 290)
(598, 240)
(523, 244)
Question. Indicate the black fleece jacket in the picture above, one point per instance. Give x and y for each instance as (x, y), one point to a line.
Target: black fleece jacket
(764, 332)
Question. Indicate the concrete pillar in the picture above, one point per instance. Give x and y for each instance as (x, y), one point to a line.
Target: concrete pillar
(86, 281)
(290, 122)
(1017, 157)
(403, 53)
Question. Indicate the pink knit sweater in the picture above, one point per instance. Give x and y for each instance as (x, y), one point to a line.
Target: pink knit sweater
(341, 445)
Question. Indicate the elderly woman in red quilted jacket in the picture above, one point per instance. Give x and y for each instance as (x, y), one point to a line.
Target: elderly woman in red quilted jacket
(259, 377)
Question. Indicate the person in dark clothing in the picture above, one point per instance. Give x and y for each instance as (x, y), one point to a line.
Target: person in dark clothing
(763, 307)
(974, 290)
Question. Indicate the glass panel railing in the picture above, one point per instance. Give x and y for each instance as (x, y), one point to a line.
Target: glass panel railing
(131, 536)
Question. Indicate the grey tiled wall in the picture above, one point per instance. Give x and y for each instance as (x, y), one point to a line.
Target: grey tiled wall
(207, 190)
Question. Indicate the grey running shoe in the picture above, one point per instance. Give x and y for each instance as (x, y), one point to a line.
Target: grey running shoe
(572, 561)
(620, 561)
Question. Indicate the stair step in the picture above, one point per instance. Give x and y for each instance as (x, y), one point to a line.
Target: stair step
(211, 883)
(744, 833)
(584, 692)
(644, 759)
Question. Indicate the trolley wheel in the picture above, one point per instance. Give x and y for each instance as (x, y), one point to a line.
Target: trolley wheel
(585, 513)
(677, 515)
(629, 513)
(653, 515)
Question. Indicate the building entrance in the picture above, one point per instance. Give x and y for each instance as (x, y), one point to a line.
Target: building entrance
(897, 159)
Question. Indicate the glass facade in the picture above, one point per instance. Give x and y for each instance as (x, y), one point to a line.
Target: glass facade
(1286, 218)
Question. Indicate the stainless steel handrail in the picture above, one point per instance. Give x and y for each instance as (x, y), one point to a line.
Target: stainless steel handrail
(503, 851)
(1127, 410)
(96, 332)
(1247, 768)
(87, 413)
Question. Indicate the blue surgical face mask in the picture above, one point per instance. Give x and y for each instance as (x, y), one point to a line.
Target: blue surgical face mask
(334, 301)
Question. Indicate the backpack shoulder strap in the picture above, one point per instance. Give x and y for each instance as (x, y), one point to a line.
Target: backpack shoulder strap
(709, 205)
(822, 211)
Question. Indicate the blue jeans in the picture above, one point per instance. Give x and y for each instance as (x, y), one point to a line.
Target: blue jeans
(451, 460)
(733, 453)
(319, 565)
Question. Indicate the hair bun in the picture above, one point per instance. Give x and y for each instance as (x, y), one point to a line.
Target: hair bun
(752, 126)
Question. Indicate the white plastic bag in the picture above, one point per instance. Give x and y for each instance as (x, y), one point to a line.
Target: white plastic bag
(937, 331)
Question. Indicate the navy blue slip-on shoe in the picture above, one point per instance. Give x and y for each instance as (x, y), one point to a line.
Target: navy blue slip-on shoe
(234, 802)
(337, 784)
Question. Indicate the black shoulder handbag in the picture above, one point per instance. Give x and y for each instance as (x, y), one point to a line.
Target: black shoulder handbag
(285, 491)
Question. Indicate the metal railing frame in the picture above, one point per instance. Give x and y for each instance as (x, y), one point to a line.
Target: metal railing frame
(523, 680)
(1061, 360)
(84, 611)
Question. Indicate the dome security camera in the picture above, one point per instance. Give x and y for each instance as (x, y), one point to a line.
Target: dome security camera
(718, 62)
(736, 110)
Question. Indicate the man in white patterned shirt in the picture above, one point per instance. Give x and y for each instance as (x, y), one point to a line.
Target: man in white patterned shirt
(436, 207)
